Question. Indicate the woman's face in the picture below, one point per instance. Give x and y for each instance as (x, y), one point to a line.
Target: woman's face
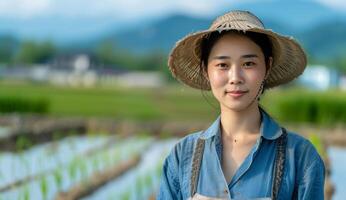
(236, 69)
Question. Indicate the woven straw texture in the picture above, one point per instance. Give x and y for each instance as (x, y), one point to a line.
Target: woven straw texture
(289, 59)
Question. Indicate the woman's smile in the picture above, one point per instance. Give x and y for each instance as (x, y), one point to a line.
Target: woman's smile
(236, 94)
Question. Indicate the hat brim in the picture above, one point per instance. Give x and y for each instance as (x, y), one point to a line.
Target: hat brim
(289, 59)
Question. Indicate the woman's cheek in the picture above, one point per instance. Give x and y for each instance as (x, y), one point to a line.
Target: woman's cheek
(218, 79)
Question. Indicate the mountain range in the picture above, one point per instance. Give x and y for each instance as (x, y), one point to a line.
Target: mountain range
(320, 29)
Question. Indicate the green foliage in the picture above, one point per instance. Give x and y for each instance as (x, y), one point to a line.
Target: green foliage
(317, 142)
(148, 179)
(32, 52)
(339, 63)
(57, 135)
(73, 169)
(177, 103)
(83, 169)
(109, 55)
(314, 108)
(58, 178)
(126, 195)
(95, 163)
(23, 142)
(7, 48)
(10, 104)
(44, 187)
(325, 108)
(26, 193)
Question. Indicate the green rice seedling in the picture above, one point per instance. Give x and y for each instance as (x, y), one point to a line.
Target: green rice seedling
(126, 195)
(95, 163)
(105, 159)
(140, 185)
(158, 167)
(44, 187)
(111, 157)
(72, 169)
(25, 163)
(58, 178)
(26, 193)
(83, 169)
(148, 179)
(116, 156)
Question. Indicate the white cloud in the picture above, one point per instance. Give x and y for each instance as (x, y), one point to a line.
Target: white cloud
(337, 4)
(107, 8)
(23, 8)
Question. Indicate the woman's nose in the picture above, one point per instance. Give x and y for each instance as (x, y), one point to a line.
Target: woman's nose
(235, 75)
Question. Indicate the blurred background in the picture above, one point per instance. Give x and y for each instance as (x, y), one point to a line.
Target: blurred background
(89, 109)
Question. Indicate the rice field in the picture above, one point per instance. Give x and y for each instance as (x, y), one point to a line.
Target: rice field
(107, 166)
(54, 170)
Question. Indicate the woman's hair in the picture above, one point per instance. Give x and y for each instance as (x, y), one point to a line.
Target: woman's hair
(260, 39)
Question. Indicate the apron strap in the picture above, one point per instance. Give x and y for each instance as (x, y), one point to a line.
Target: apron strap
(279, 163)
(196, 164)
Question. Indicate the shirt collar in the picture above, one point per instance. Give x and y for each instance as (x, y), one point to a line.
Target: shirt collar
(269, 129)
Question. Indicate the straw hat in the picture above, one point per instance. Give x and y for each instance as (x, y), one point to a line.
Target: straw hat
(289, 59)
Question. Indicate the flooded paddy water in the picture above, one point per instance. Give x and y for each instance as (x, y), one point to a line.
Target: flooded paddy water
(103, 166)
(53, 170)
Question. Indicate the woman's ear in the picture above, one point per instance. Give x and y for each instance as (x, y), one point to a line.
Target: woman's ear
(270, 63)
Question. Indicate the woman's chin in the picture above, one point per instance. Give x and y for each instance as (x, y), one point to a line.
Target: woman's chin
(236, 106)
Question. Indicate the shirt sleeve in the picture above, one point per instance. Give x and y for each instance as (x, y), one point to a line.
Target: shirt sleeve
(311, 183)
(169, 183)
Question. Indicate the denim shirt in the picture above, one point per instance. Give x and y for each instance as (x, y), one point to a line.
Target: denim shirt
(303, 177)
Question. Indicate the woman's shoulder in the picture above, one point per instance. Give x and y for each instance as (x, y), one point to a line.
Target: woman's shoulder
(302, 149)
(184, 146)
(297, 140)
(186, 143)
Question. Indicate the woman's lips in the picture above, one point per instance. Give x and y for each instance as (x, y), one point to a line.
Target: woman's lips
(236, 94)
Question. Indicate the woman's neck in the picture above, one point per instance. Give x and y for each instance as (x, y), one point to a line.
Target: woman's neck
(239, 124)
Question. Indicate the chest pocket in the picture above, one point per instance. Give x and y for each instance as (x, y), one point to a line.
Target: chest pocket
(277, 172)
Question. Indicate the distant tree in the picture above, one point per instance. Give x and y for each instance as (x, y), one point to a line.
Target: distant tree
(105, 53)
(340, 64)
(32, 52)
(151, 61)
(8, 47)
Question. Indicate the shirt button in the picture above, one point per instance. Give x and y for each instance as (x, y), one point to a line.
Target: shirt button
(225, 191)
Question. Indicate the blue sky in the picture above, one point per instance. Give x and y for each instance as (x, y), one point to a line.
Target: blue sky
(119, 9)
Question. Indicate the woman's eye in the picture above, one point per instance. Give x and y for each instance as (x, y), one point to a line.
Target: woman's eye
(249, 64)
(222, 65)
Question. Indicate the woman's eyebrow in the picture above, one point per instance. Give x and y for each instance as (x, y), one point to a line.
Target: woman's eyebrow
(249, 56)
(221, 57)
(243, 56)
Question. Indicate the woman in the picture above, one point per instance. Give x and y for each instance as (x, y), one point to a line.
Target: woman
(244, 154)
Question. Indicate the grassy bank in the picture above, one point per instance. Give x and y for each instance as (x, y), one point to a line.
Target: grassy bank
(176, 103)
(121, 103)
